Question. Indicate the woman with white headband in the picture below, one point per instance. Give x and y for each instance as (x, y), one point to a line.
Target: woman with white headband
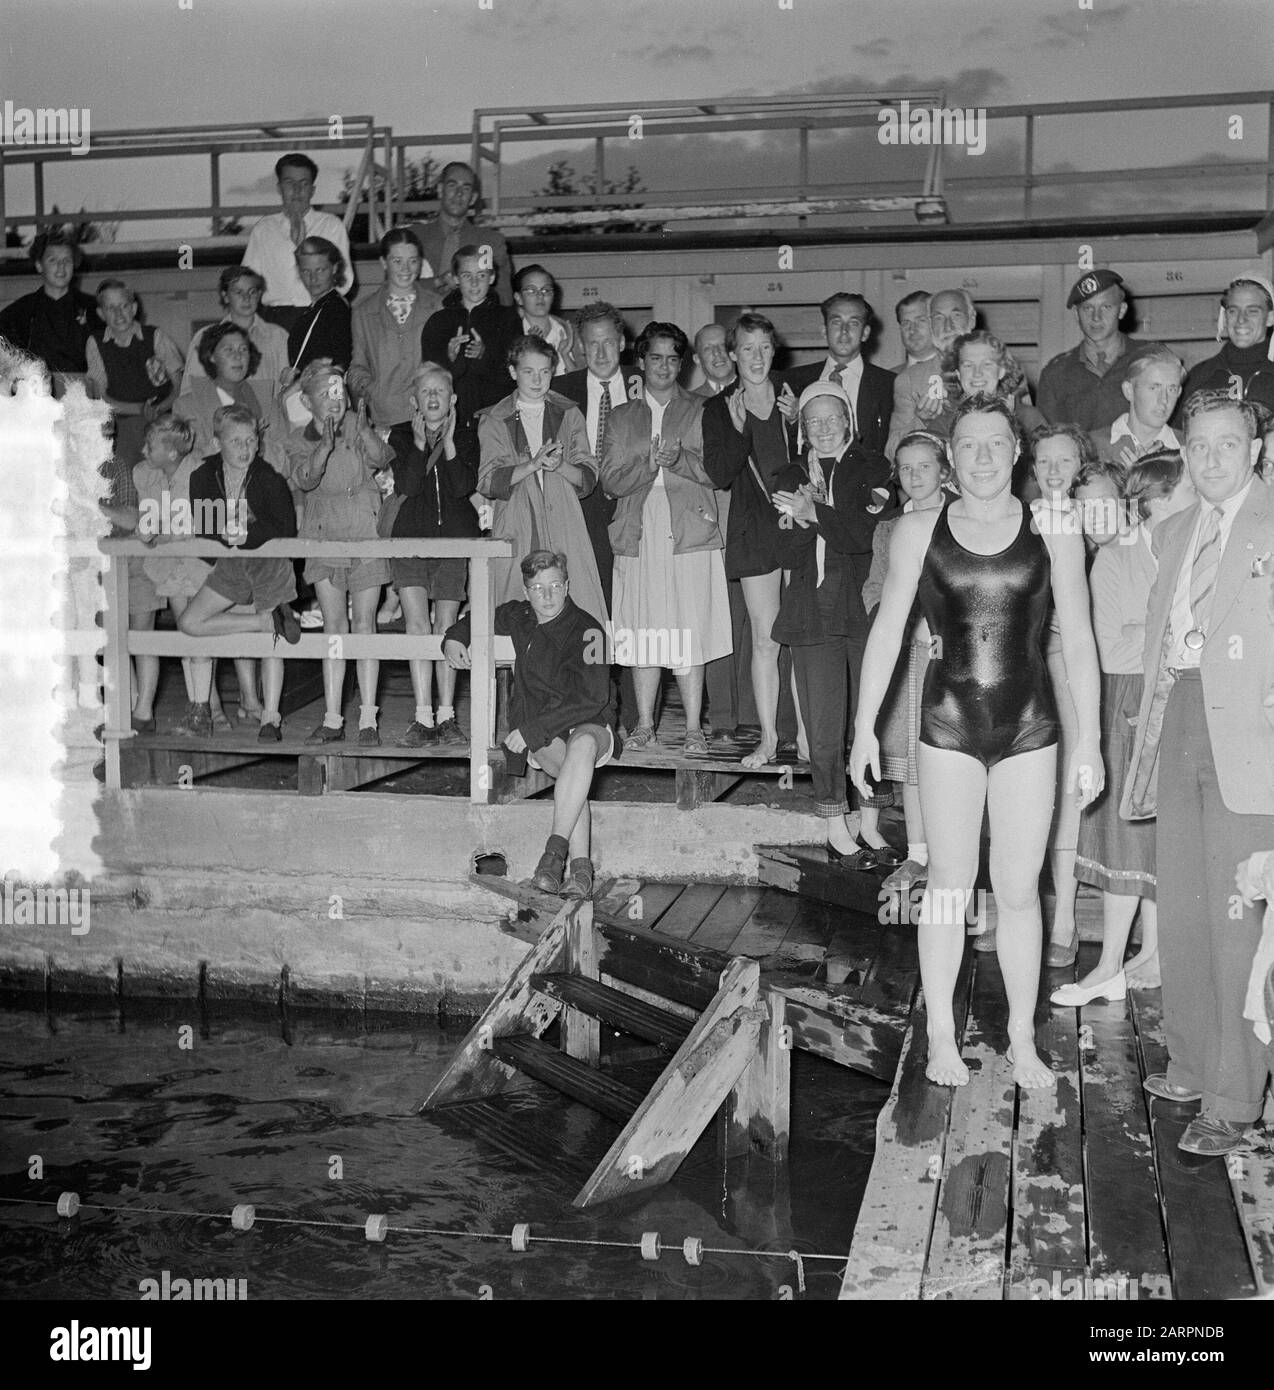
(828, 515)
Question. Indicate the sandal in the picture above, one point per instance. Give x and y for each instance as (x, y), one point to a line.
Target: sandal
(695, 744)
(250, 716)
(641, 737)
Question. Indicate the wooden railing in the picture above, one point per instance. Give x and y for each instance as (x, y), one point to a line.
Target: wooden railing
(123, 642)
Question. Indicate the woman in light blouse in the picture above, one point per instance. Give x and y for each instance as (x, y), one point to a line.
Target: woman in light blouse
(1118, 856)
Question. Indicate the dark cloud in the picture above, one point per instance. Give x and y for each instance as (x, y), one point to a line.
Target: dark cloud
(675, 53)
(877, 48)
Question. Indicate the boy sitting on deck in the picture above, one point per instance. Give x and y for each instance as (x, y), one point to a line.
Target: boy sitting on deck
(561, 710)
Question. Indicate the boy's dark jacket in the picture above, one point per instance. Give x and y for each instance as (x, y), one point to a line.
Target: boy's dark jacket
(435, 489)
(561, 677)
(809, 612)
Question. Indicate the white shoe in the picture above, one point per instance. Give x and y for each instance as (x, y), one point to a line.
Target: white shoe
(310, 618)
(1075, 996)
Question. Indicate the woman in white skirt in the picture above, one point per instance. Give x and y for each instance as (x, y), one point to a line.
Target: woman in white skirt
(671, 609)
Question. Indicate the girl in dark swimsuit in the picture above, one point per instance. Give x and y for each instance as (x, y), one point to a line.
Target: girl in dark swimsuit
(988, 738)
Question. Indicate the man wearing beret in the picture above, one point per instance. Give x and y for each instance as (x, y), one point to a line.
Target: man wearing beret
(1084, 386)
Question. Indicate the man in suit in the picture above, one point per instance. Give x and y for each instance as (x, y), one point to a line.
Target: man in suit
(847, 321)
(1203, 761)
(598, 388)
(712, 357)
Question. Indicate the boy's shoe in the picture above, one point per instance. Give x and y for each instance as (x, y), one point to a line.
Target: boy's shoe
(450, 732)
(197, 722)
(144, 726)
(368, 738)
(322, 734)
(220, 722)
(1212, 1137)
(310, 618)
(579, 882)
(548, 872)
(906, 876)
(286, 625)
(641, 737)
(270, 732)
(419, 735)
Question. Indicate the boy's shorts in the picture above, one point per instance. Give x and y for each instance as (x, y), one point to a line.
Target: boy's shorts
(263, 584)
(351, 575)
(604, 756)
(444, 578)
(142, 595)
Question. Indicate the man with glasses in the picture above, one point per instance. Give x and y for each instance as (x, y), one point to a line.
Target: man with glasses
(1203, 763)
(453, 226)
(847, 326)
(272, 243)
(920, 393)
(1084, 386)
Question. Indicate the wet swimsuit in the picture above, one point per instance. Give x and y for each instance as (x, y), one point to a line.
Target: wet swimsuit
(987, 691)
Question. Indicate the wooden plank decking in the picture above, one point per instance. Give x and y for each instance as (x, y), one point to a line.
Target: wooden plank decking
(1075, 1193)
(986, 1192)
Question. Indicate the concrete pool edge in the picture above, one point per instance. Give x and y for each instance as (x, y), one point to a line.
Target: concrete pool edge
(363, 900)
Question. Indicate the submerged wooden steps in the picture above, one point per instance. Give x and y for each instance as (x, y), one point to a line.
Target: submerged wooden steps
(606, 1095)
(1079, 1192)
(621, 1011)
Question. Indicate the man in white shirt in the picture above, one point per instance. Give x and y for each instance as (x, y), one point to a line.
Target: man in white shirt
(1151, 386)
(272, 243)
(1203, 763)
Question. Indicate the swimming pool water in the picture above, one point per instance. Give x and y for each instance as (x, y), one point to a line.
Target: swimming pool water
(118, 1110)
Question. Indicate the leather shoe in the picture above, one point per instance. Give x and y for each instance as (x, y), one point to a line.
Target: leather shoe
(285, 624)
(859, 860)
(1075, 996)
(548, 872)
(1212, 1137)
(579, 882)
(419, 735)
(322, 734)
(1157, 1084)
(271, 731)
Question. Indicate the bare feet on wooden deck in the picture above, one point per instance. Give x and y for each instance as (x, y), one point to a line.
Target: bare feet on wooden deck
(765, 752)
(1029, 1071)
(945, 1067)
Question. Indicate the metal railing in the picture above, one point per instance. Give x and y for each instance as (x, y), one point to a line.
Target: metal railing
(381, 178)
(123, 642)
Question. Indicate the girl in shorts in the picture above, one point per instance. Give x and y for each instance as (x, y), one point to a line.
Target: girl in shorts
(333, 460)
(240, 500)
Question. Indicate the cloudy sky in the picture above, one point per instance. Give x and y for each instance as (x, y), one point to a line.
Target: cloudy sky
(423, 68)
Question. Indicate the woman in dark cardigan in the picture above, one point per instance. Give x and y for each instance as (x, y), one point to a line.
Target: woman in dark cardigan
(745, 448)
(435, 474)
(826, 543)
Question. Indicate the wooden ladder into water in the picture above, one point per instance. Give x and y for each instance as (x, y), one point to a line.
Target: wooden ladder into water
(723, 1037)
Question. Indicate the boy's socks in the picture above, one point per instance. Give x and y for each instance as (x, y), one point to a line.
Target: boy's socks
(558, 845)
(333, 721)
(425, 715)
(367, 716)
(918, 852)
(446, 712)
(271, 716)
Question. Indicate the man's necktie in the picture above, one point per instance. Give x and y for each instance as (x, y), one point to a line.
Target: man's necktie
(1206, 561)
(603, 414)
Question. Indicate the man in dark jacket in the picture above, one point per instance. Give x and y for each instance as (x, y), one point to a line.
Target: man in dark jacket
(847, 326)
(561, 711)
(1244, 368)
